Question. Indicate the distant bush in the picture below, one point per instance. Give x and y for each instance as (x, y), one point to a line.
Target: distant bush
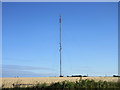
(61, 76)
(76, 76)
(116, 76)
(85, 76)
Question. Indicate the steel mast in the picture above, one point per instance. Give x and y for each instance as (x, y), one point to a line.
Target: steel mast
(60, 21)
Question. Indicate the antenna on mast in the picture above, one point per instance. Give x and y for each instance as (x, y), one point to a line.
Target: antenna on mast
(60, 21)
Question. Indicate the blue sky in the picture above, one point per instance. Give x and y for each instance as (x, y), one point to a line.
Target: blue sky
(31, 39)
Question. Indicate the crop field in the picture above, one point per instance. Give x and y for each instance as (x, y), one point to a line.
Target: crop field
(30, 81)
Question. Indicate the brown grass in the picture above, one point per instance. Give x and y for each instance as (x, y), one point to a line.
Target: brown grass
(7, 82)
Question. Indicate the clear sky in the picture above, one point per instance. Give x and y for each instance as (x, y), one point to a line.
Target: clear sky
(31, 39)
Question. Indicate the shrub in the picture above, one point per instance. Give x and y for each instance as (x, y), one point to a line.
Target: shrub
(81, 84)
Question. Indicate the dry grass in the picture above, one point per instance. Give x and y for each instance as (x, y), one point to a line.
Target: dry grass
(8, 82)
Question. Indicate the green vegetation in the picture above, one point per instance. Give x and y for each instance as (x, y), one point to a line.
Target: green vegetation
(78, 85)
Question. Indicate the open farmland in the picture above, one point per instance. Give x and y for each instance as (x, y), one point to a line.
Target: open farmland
(8, 82)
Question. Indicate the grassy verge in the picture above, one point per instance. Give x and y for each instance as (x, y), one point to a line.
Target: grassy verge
(67, 85)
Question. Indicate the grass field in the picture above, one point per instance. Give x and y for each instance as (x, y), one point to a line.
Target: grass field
(30, 81)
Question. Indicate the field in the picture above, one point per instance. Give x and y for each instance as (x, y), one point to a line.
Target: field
(8, 82)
